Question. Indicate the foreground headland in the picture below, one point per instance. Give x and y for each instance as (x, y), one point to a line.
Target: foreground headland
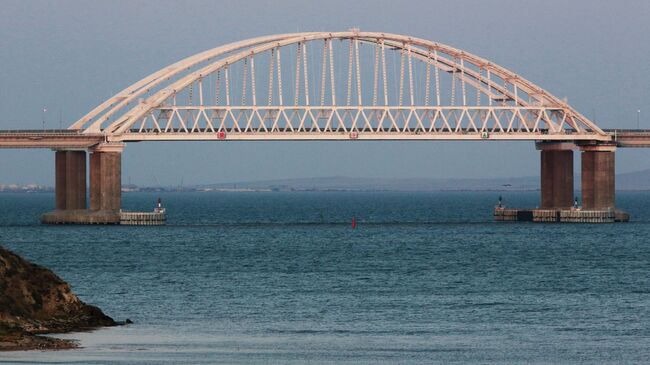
(35, 301)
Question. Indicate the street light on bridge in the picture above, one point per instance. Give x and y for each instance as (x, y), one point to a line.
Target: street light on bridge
(638, 118)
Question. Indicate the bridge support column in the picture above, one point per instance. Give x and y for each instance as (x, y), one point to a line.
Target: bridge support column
(105, 186)
(556, 175)
(106, 181)
(70, 180)
(75, 180)
(60, 179)
(598, 193)
(598, 177)
(70, 187)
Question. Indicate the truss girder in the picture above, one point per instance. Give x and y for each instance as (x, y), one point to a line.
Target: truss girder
(349, 122)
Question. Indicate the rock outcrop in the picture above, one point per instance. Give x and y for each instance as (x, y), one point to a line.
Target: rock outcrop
(34, 300)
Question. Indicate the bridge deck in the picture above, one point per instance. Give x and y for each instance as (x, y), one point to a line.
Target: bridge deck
(56, 138)
(72, 139)
(337, 134)
(630, 137)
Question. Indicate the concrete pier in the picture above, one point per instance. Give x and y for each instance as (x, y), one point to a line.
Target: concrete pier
(75, 180)
(60, 177)
(557, 204)
(70, 180)
(570, 215)
(598, 178)
(105, 187)
(143, 218)
(556, 175)
(106, 181)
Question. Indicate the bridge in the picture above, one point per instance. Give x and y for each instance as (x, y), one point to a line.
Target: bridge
(349, 85)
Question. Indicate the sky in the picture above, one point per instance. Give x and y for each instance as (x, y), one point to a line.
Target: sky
(69, 56)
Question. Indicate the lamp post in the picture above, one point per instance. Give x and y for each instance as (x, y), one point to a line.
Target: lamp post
(638, 118)
(44, 110)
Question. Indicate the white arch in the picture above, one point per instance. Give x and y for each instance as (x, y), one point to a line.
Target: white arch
(237, 51)
(124, 97)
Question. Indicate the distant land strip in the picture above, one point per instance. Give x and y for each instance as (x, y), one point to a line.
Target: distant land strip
(632, 181)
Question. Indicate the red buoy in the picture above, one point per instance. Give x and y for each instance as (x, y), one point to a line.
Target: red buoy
(354, 222)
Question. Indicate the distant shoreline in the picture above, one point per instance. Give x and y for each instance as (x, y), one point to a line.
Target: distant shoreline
(632, 181)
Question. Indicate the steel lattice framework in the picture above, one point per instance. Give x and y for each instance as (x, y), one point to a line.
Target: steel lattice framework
(333, 86)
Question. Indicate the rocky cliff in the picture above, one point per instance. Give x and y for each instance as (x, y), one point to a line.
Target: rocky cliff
(34, 300)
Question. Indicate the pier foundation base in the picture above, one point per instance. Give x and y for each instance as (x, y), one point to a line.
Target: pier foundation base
(80, 216)
(560, 215)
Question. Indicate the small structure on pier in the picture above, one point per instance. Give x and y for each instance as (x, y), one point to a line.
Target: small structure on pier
(156, 218)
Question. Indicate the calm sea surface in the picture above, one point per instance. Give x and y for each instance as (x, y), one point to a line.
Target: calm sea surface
(282, 278)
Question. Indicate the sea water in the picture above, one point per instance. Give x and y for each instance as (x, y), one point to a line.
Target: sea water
(283, 278)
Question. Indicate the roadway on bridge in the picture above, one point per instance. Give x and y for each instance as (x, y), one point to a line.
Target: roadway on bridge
(72, 139)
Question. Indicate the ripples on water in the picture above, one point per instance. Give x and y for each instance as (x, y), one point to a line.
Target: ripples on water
(282, 278)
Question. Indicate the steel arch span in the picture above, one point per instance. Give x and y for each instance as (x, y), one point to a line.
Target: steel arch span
(336, 86)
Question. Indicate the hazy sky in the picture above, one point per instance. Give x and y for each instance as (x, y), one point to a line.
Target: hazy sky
(72, 55)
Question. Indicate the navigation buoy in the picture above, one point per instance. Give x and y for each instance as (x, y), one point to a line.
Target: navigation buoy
(354, 223)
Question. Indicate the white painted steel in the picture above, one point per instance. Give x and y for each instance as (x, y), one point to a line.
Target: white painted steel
(538, 115)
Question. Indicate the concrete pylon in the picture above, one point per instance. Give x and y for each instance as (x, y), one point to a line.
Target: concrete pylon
(70, 187)
(60, 179)
(598, 177)
(75, 180)
(556, 183)
(105, 181)
(105, 186)
(70, 180)
(95, 181)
